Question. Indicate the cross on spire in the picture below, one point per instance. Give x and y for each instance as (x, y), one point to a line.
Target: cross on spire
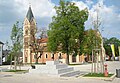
(30, 14)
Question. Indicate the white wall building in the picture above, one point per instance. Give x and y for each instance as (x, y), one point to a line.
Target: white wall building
(1, 50)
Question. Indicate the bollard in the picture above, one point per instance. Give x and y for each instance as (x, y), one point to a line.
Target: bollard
(106, 71)
(118, 73)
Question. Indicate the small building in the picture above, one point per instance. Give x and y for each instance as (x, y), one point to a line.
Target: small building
(1, 52)
(5, 55)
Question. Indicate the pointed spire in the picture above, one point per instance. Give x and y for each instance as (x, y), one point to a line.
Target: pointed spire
(30, 14)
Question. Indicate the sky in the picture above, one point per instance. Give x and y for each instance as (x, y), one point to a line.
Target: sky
(43, 10)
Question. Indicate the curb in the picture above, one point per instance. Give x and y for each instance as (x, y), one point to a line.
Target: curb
(22, 72)
(102, 78)
(111, 78)
(7, 73)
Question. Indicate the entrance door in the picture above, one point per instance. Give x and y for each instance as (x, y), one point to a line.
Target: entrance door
(73, 58)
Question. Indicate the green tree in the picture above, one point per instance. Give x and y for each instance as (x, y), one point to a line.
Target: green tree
(17, 39)
(116, 42)
(107, 47)
(91, 40)
(67, 29)
(8, 50)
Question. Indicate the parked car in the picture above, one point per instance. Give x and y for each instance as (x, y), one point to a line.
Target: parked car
(116, 58)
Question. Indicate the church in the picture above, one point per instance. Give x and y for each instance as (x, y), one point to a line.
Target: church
(29, 27)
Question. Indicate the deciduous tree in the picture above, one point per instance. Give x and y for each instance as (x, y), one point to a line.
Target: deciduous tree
(67, 29)
(17, 43)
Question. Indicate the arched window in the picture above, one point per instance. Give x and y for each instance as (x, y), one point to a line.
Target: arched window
(52, 56)
(46, 56)
(60, 56)
(25, 59)
(26, 32)
(32, 32)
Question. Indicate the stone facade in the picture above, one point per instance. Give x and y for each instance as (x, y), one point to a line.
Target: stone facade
(29, 28)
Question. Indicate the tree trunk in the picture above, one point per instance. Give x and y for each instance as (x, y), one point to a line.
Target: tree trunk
(36, 59)
(10, 61)
(67, 59)
(19, 63)
(36, 62)
(15, 63)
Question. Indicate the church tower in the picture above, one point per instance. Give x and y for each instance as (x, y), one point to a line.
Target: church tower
(29, 28)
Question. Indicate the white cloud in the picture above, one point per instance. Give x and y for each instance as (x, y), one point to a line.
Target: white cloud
(119, 17)
(41, 8)
(108, 16)
(89, 2)
(13, 10)
(81, 5)
(43, 11)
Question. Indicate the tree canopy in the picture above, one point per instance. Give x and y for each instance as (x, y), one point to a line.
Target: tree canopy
(92, 40)
(108, 42)
(67, 28)
(17, 41)
(16, 37)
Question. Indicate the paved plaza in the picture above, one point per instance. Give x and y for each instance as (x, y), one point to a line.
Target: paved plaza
(41, 78)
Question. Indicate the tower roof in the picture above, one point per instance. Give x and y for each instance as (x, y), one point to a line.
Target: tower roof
(1, 42)
(30, 14)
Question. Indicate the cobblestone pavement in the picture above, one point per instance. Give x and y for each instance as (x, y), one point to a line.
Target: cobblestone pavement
(40, 78)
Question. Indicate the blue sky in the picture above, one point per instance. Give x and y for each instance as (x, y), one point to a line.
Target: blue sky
(43, 10)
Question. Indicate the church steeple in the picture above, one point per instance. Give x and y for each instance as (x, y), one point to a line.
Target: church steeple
(29, 29)
(29, 15)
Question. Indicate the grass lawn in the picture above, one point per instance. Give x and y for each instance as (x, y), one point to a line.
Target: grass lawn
(16, 71)
(74, 64)
(97, 75)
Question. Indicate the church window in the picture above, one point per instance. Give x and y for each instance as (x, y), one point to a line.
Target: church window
(32, 32)
(26, 43)
(60, 56)
(26, 32)
(25, 59)
(52, 56)
(40, 55)
(46, 56)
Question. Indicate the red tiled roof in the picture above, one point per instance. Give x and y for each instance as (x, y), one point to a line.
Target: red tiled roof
(43, 40)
